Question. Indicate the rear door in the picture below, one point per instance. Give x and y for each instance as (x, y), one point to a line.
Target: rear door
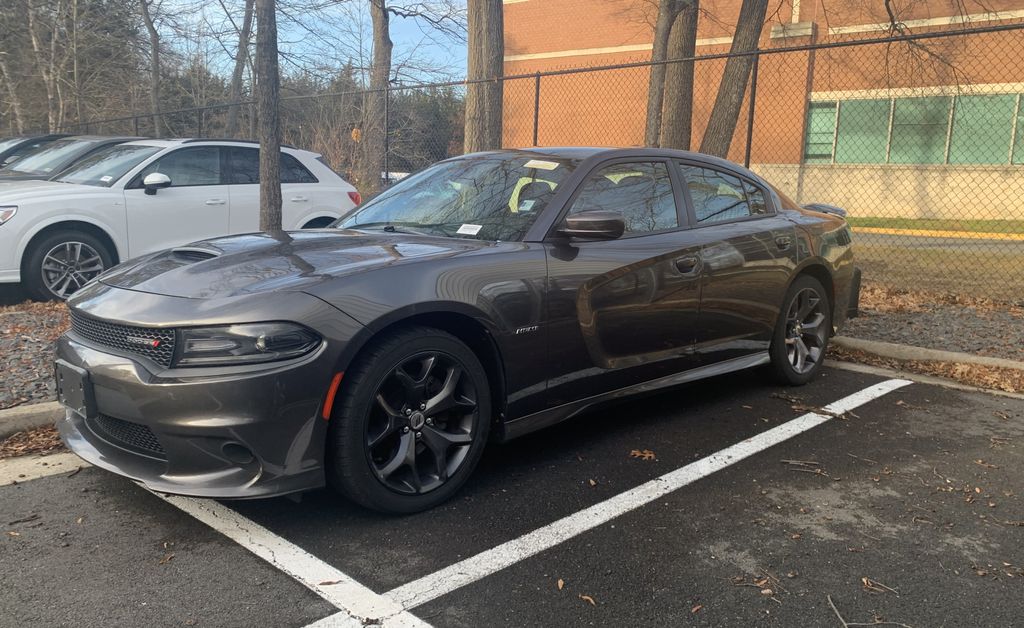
(194, 207)
(300, 194)
(623, 311)
(748, 254)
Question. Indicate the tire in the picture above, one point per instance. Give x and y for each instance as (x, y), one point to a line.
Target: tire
(89, 255)
(369, 440)
(811, 336)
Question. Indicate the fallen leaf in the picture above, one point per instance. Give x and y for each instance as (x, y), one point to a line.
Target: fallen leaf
(645, 454)
(795, 537)
(80, 520)
(13, 533)
(696, 609)
(561, 584)
(767, 592)
(593, 482)
(166, 559)
(588, 599)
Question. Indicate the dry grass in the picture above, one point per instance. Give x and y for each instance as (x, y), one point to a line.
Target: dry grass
(993, 275)
(43, 440)
(992, 378)
(882, 298)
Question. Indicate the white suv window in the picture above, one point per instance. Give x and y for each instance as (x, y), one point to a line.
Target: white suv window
(197, 165)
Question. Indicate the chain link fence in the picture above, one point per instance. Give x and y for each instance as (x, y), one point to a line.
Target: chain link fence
(920, 138)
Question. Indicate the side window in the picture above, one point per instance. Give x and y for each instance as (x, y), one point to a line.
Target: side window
(294, 172)
(244, 164)
(245, 167)
(721, 197)
(641, 192)
(199, 165)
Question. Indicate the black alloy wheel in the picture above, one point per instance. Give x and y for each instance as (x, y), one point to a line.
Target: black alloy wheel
(421, 427)
(802, 332)
(412, 421)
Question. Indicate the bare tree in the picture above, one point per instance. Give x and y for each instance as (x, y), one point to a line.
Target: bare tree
(677, 119)
(372, 136)
(726, 111)
(154, 64)
(241, 56)
(12, 94)
(667, 11)
(267, 106)
(46, 32)
(485, 62)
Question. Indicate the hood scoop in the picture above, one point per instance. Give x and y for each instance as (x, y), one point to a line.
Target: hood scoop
(192, 254)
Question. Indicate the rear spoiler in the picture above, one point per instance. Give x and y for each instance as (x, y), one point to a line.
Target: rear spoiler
(826, 209)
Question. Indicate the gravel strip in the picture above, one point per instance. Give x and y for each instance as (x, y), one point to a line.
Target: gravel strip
(27, 334)
(932, 321)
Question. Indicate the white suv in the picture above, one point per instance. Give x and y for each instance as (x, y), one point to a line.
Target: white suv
(147, 195)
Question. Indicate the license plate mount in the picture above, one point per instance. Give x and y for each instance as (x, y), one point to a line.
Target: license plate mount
(74, 388)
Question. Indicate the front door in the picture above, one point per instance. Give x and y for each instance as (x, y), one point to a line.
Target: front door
(194, 207)
(748, 253)
(623, 311)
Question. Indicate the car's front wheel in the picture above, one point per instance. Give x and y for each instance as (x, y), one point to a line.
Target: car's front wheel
(62, 262)
(802, 332)
(412, 422)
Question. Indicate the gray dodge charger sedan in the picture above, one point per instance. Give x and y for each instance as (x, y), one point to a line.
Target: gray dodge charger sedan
(488, 296)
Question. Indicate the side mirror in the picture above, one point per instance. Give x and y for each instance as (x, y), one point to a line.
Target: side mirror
(155, 181)
(599, 224)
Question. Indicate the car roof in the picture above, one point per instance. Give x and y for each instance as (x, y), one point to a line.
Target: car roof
(178, 141)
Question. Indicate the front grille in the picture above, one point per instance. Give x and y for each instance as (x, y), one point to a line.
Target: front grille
(151, 342)
(127, 434)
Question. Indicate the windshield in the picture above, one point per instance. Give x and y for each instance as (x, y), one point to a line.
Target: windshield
(11, 143)
(106, 166)
(485, 197)
(49, 158)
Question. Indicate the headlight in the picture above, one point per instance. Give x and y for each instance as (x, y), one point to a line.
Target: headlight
(7, 212)
(243, 344)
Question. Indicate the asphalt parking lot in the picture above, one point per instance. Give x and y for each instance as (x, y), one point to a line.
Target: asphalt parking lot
(719, 503)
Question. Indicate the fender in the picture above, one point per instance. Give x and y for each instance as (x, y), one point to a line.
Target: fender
(114, 234)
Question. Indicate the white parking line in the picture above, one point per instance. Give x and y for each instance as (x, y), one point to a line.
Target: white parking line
(495, 559)
(359, 605)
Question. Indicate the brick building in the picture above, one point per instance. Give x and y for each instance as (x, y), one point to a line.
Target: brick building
(926, 121)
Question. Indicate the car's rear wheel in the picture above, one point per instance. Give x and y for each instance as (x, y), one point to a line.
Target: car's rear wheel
(802, 332)
(63, 262)
(411, 424)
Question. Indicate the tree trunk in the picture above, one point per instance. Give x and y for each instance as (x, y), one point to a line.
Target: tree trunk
(46, 62)
(372, 138)
(485, 62)
(235, 90)
(726, 112)
(667, 10)
(682, 44)
(267, 102)
(154, 67)
(12, 94)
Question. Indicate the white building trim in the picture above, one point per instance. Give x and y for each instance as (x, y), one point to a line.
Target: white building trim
(916, 92)
(586, 52)
(950, 20)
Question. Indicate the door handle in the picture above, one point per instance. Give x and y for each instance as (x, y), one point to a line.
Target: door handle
(299, 199)
(783, 242)
(215, 201)
(688, 265)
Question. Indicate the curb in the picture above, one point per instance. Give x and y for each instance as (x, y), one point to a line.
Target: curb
(20, 418)
(920, 354)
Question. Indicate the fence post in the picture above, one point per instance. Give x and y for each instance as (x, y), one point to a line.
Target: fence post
(536, 105)
(750, 108)
(199, 122)
(387, 124)
(135, 125)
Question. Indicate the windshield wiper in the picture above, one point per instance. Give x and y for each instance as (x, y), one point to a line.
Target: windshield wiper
(390, 227)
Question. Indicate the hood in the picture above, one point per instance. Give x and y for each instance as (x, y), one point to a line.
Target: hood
(22, 176)
(259, 262)
(12, 191)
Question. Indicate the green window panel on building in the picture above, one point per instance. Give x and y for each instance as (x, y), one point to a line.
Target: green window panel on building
(981, 129)
(974, 129)
(919, 128)
(863, 131)
(821, 128)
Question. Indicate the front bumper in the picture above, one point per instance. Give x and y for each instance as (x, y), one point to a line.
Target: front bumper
(224, 432)
(254, 435)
